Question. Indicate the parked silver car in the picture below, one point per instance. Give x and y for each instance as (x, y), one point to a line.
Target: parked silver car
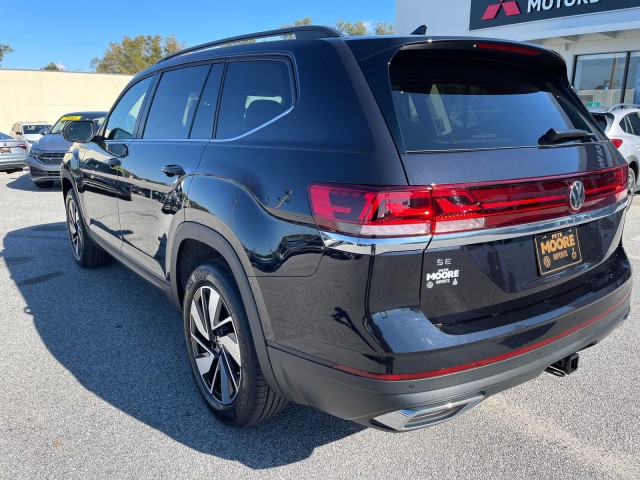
(13, 154)
(621, 123)
(46, 154)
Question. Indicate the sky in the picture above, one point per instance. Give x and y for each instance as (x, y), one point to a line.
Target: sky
(71, 33)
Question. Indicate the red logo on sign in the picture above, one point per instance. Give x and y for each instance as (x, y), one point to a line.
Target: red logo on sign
(510, 8)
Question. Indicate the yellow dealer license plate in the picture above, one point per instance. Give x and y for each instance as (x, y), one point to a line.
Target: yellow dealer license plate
(557, 250)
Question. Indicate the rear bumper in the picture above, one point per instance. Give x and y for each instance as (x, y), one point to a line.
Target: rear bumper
(380, 403)
(15, 163)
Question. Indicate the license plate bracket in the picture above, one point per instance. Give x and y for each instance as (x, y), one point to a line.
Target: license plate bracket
(5, 150)
(557, 250)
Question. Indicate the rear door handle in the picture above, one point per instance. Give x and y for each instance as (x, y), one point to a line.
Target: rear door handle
(173, 170)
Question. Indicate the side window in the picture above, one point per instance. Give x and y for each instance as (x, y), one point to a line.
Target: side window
(634, 121)
(623, 125)
(123, 117)
(205, 114)
(254, 93)
(174, 104)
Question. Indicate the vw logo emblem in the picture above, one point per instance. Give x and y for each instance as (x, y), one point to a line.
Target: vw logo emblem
(576, 195)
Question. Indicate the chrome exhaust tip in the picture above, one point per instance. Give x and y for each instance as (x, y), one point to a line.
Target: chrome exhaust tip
(427, 415)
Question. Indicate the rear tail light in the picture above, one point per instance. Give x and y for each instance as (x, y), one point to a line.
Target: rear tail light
(441, 209)
(22, 146)
(371, 211)
(617, 142)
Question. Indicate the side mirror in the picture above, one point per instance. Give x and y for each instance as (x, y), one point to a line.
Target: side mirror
(44, 131)
(79, 131)
(118, 150)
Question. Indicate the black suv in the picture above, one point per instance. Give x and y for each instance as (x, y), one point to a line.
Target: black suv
(390, 229)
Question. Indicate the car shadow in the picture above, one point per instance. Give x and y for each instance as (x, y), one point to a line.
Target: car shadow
(24, 182)
(122, 340)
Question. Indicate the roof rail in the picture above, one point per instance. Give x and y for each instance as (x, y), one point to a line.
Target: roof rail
(621, 106)
(305, 31)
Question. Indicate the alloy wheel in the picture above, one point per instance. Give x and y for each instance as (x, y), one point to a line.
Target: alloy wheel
(215, 345)
(75, 229)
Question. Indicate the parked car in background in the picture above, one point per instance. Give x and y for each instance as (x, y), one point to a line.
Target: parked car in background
(621, 123)
(30, 132)
(46, 154)
(361, 224)
(13, 154)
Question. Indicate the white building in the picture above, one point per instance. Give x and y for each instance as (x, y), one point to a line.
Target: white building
(599, 39)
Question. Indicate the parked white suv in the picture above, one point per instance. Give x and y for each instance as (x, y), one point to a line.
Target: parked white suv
(30, 132)
(621, 123)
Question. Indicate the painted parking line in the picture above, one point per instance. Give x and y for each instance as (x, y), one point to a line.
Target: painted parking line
(526, 421)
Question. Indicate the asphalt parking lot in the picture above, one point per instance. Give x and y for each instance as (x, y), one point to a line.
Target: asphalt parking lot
(95, 383)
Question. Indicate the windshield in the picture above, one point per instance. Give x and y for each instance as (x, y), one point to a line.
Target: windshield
(452, 104)
(33, 129)
(60, 124)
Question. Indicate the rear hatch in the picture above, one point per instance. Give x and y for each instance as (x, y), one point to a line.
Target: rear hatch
(527, 195)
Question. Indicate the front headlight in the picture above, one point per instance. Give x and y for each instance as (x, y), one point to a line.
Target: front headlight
(35, 152)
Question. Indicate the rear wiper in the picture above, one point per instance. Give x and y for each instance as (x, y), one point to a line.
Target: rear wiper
(554, 136)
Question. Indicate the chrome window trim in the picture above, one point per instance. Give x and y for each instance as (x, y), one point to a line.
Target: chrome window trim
(259, 127)
(378, 246)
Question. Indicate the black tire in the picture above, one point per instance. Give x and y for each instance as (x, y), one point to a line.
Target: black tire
(44, 184)
(86, 253)
(221, 351)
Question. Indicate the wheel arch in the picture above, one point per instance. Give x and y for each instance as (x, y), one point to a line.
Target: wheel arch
(194, 244)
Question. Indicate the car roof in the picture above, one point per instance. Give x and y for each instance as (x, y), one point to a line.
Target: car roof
(618, 109)
(362, 46)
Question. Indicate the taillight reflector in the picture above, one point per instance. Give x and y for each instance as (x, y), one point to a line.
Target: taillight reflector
(440, 209)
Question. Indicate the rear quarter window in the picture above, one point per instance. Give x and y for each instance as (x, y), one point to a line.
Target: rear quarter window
(634, 122)
(254, 93)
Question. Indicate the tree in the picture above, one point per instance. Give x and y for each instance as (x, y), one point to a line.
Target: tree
(133, 55)
(4, 49)
(298, 23)
(358, 28)
(383, 28)
(53, 66)
(348, 28)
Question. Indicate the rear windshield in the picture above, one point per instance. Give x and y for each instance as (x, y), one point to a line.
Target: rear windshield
(453, 104)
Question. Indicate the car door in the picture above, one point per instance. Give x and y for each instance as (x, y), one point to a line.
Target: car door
(168, 149)
(99, 166)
